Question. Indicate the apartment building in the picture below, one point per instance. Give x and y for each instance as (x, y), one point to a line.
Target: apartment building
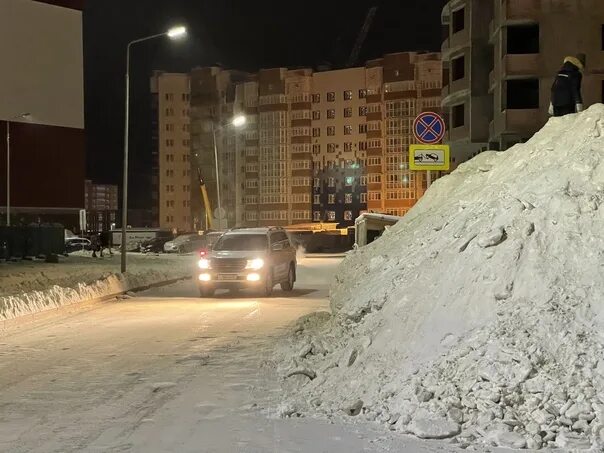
(213, 106)
(339, 131)
(172, 143)
(399, 87)
(316, 147)
(501, 57)
(101, 201)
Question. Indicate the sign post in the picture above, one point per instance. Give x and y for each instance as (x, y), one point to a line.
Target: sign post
(429, 129)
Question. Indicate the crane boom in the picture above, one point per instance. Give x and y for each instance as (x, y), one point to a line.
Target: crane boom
(354, 55)
(206, 200)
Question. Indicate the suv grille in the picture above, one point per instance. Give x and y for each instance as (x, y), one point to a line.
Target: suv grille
(228, 265)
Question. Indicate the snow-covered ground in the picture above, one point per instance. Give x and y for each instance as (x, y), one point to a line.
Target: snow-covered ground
(32, 286)
(479, 317)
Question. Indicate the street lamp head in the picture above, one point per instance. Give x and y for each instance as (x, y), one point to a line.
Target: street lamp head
(239, 121)
(177, 32)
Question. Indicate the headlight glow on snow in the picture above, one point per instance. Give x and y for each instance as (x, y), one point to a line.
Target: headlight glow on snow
(204, 263)
(255, 264)
(253, 277)
(205, 277)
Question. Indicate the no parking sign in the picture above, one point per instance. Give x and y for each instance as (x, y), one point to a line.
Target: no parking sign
(429, 128)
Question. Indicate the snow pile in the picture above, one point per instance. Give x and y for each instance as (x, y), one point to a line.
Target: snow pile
(28, 288)
(479, 316)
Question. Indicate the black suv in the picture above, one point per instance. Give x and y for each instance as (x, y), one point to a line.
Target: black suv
(248, 258)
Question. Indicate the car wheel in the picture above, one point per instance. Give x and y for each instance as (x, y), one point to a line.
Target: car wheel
(268, 284)
(205, 292)
(291, 277)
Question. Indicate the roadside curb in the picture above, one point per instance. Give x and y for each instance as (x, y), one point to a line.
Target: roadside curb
(9, 324)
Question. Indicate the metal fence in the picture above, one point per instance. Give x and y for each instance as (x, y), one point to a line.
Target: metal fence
(31, 241)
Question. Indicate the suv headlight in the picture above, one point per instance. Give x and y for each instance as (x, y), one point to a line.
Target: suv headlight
(255, 264)
(204, 263)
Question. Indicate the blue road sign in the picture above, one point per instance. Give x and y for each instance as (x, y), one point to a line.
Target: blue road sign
(429, 128)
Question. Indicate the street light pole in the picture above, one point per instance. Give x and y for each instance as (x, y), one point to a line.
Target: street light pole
(173, 33)
(8, 173)
(23, 115)
(217, 176)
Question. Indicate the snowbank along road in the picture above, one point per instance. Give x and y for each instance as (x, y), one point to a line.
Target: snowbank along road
(165, 372)
(477, 318)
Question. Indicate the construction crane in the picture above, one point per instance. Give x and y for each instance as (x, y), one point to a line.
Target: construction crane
(358, 45)
(206, 200)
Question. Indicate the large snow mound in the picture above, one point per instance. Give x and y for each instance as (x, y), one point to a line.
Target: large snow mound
(479, 316)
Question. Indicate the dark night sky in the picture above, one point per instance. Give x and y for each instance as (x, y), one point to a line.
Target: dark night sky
(238, 34)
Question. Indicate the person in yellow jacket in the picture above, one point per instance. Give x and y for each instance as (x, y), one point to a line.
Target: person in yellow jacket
(566, 90)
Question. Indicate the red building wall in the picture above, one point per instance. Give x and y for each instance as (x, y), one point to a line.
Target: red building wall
(47, 166)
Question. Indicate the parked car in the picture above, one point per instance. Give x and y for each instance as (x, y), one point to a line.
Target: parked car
(155, 245)
(75, 244)
(184, 243)
(243, 258)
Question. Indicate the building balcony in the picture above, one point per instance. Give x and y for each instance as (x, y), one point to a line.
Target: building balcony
(520, 65)
(521, 10)
(460, 40)
(522, 122)
(459, 134)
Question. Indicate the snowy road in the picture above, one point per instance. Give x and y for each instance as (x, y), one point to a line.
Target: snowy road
(166, 371)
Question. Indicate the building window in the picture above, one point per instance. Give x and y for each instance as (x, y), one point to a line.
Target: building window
(349, 180)
(316, 98)
(459, 115)
(348, 215)
(348, 198)
(347, 130)
(316, 131)
(363, 180)
(316, 149)
(331, 131)
(374, 178)
(375, 196)
(316, 216)
(363, 197)
(317, 199)
(348, 112)
(331, 216)
(347, 95)
(331, 113)
(523, 39)
(331, 147)
(362, 94)
(316, 115)
(458, 68)
(459, 20)
(331, 198)
(332, 182)
(362, 146)
(362, 128)
(522, 94)
(347, 146)
(363, 110)
(331, 96)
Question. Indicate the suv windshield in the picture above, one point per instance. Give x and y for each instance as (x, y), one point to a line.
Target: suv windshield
(241, 242)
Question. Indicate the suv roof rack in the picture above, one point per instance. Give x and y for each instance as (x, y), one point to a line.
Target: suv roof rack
(269, 228)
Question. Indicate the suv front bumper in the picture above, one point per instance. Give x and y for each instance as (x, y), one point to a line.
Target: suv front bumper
(244, 279)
